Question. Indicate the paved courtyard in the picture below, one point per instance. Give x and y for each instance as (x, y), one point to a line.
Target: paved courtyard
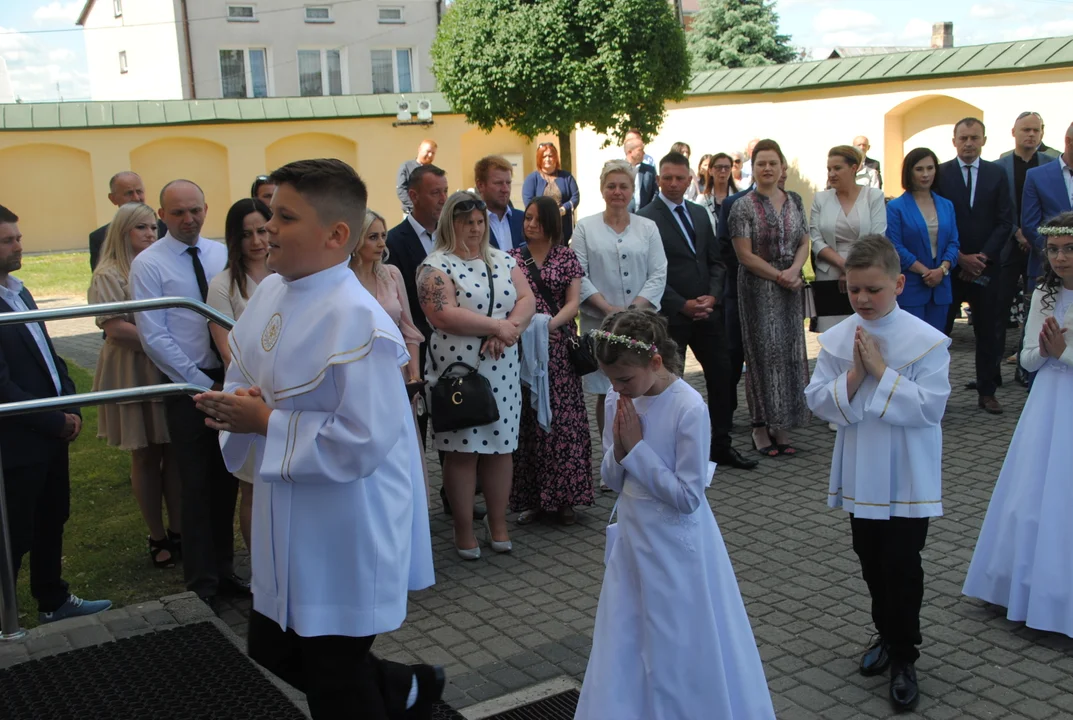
(507, 622)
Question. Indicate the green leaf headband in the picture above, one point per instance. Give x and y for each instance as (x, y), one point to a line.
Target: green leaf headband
(629, 342)
(1052, 230)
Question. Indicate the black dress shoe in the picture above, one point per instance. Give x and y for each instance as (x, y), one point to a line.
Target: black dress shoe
(876, 658)
(212, 602)
(233, 586)
(733, 458)
(430, 682)
(904, 693)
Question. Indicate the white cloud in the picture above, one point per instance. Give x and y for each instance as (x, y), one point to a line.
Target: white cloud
(35, 70)
(918, 31)
(60, 55)
(1045, 29)
(57, 12)
(991, 10)
(834, 20)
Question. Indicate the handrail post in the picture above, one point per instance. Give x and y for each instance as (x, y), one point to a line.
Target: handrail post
(9, 607)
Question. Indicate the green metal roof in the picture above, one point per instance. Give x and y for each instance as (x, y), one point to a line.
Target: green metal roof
(932, 63)
(870, 69)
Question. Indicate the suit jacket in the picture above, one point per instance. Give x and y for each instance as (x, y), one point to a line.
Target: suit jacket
(517, 233)
(25, 376)
(1043, 150)
(406, 252)
(986, 226)
(535, 185)
(689, 274)
(1045, 196)
(908, 232)
(402, 184)
(824, 215)
(646, 180)
(874, 164)
(1006, 163)
(96, 241)
(730, 258)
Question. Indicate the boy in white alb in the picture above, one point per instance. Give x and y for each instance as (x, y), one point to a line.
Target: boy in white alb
(883, 378)
(340, 521)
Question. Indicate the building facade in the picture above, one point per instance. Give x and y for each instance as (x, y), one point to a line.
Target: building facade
(208, 49)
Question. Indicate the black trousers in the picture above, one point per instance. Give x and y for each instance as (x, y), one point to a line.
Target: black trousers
(889, 551)
(988, 325)
(735, 348)
(208, 498)
(339, 675)
(38, 504)
(707, 340)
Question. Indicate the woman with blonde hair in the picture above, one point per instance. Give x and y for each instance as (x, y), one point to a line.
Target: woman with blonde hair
(478, 303)
(139, 427)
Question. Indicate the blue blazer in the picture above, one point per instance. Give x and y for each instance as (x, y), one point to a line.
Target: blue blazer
(534, 186)
(1044, 197)
(517, 234)
(907, 230)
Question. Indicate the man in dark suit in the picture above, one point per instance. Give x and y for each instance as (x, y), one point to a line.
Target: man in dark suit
(644, 183)
(861, 143)
(692, 299)
(124, 187)
(34, 448)
(492, 178)
(982, 204)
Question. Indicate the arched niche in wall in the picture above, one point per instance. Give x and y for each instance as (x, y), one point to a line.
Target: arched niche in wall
(200, 161)
(925, 121)
(38, 175)
(305, 146)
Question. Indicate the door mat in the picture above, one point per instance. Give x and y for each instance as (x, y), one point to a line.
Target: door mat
(557, 707)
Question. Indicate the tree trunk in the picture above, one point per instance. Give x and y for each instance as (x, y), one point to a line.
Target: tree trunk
(566, 157)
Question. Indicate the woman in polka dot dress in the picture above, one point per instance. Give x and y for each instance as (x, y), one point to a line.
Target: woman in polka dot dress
(454, 290)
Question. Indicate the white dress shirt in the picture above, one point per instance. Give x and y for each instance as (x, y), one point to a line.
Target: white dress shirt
(678, 219)
(428, 240)
(500, 229)
(975, 165)
(1067, 176)
(10, 294)
(177, 340)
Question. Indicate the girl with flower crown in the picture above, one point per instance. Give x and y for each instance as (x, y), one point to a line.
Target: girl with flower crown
(672, 640)
(1021, 561)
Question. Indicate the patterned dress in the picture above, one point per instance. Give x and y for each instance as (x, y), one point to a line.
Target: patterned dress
(772, 318)
(554, 470)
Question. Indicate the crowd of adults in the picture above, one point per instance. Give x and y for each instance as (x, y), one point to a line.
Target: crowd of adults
(721, 251)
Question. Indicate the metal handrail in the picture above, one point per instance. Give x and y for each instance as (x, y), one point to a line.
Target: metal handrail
(9, 614)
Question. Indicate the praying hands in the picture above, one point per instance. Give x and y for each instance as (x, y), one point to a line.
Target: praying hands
(1052, 339)
(243, 411)
(626, 429)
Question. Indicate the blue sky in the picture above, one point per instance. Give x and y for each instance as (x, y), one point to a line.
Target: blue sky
(39, 58)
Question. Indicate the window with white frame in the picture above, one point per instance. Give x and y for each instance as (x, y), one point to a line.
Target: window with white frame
(117, 7)
(319, 14)
(241, 13)
(244, 72)
(393, 70)
(320, 72)
(122, 62)
(391, 16)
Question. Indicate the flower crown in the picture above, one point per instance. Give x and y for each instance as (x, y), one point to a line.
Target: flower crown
(623, 340)
(1052, 230)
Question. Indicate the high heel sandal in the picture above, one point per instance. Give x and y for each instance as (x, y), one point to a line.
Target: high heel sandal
(159, 546)
(769, 451)
(176, 541)
(504, 546)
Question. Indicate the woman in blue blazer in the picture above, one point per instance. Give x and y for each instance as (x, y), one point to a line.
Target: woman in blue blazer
(549, 179)
(924, 230)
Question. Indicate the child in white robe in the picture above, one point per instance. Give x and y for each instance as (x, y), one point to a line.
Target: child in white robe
(882, 378)
(1021, 561)
(340, 521)
(672, 639)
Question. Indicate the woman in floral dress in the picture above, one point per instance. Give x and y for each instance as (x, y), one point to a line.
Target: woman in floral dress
(553, 469)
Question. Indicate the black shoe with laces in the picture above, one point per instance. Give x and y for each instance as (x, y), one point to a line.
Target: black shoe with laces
(904, 692)
(876, 658)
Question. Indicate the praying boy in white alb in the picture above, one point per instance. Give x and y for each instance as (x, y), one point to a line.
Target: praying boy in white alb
(340, 522)
(883, 378)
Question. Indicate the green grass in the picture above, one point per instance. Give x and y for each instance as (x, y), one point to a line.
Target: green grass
(56, 274)
(104, 543)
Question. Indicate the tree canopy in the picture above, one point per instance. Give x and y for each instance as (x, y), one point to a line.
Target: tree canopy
(547, 66)
(737, 33)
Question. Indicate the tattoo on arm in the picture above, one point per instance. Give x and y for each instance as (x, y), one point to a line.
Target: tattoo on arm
(431, 290)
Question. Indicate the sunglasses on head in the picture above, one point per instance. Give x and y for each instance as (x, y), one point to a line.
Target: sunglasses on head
(469, 206)
(262, 178)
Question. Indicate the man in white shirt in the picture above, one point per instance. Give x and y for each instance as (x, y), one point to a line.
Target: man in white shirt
(33, 448)
(747, 165)
(492, 177)
(179, 343)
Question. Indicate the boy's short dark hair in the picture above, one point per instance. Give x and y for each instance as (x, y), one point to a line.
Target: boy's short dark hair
(874, 251)
(6, 216)
(329, 185)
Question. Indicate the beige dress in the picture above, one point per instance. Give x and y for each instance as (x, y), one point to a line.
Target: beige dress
(134, 425)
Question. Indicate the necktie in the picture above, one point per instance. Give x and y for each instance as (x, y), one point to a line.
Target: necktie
(968, 182)
(681, 210)
(199, 272)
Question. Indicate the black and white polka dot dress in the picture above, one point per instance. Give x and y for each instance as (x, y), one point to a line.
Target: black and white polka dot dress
(470, 278)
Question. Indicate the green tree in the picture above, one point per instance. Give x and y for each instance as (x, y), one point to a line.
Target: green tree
(737, 33)
(548, 66)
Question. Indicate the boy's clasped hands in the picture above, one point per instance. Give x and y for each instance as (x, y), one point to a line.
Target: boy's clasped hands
(867, 360)
(243, 411)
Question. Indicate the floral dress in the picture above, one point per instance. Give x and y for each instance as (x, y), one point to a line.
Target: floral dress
(554, 469)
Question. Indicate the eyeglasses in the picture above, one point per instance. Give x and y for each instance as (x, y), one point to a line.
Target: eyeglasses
(1054, 251)
(467, 206)
(737, 162)
(722, 168)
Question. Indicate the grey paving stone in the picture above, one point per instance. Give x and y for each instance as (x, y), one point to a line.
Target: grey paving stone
(88, 635)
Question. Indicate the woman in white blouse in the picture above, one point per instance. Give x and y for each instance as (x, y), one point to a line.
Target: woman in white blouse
(622, 255)
(839, 216)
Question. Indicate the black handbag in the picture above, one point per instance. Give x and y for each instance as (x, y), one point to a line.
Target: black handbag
(464, 400)
(580, 348)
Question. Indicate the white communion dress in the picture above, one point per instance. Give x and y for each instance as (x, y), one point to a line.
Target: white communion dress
(672, 639)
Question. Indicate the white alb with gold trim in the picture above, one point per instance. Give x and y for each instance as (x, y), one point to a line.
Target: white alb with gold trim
(888, 454)
(340, 518)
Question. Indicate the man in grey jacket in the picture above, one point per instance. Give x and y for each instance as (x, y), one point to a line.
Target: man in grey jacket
(426, 153)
